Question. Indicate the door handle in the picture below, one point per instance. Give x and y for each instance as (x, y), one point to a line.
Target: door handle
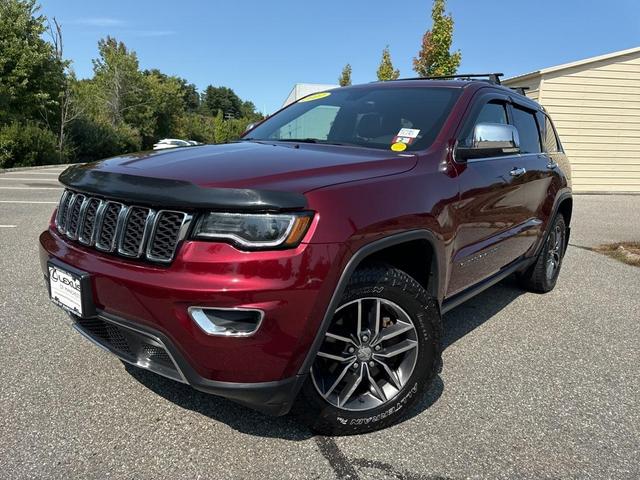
(516, 172)
(551, 164)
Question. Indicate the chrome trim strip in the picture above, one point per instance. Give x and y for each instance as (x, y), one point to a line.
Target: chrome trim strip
(207, 326)
(180, 378)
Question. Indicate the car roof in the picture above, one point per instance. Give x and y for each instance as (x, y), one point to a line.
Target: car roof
(449, 83)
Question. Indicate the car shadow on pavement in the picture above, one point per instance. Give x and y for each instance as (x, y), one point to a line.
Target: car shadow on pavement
(457, 323)
(470, 315)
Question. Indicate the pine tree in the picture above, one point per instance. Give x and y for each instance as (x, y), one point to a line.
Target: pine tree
(434, 58)
(385, 70)
(345, 77)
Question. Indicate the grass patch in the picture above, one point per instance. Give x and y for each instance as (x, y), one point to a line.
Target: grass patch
(627, 252)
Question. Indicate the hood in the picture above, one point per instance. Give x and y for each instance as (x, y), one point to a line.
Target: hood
(261, 173)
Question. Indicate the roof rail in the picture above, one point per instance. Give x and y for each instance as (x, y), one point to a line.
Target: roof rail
(493, 78)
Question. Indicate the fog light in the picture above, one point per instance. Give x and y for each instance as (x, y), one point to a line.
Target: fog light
(227, 322)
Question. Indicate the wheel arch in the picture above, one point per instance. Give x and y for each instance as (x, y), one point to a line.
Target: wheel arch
(381, 250)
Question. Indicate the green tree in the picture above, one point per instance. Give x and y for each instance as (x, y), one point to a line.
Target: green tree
(249, 113)
(119, 81)
(345, 77)
(31, 76)
(385, 70)
(221, 99)
(190, 96)
(165, 104)
(435, 58)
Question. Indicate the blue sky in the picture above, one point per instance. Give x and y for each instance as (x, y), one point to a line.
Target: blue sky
(260, 48)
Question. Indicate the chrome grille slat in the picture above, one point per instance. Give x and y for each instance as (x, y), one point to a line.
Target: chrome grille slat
(73, 216)
(108, 228)
(168, 229)
(88, 221)
(128, 230)
(134, 232)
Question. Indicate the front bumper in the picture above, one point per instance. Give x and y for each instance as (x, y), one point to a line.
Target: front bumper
(293, 288)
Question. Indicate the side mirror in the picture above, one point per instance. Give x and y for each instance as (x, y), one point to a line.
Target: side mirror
(491, 140)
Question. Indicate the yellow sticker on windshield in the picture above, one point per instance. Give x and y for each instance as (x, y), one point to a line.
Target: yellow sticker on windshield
(316, 96)
(399, 147)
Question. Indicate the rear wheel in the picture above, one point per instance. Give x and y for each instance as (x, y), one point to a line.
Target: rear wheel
(542, 276)
(381, 351)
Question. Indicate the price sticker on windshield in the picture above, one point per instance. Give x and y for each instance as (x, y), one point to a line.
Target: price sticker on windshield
(408, 132)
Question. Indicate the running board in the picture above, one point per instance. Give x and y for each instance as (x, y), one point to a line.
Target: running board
(459, 298)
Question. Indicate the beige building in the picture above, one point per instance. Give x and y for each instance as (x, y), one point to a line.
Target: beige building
(595, 105)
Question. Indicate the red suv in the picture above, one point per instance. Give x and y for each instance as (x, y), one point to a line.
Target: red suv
(312, 259)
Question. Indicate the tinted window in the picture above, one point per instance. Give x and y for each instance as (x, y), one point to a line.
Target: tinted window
(525, 123)
(493, 112)
(549, 139)
(368, 117)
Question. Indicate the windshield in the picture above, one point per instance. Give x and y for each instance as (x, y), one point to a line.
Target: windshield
(396, 118)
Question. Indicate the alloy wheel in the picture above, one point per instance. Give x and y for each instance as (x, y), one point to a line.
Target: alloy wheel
(368, 355)
(554, 254)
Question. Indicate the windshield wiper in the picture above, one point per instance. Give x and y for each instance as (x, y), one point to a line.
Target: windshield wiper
(312, 140)
(299, 140)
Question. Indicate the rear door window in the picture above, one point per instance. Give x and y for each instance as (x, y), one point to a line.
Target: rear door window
(525, 123)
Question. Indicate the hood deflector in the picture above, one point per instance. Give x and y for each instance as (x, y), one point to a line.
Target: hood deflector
(169, 193)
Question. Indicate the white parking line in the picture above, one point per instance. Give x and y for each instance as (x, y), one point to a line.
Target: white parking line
(31, 188)
(15, 179)
(33, 173)
(8, 226)
(27, 201)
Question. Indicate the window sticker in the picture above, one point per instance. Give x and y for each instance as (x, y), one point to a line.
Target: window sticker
(399, 147)
(315, 96)
(405, 140)
(409, 132)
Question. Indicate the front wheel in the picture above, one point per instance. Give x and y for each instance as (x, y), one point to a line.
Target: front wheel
(381, 351)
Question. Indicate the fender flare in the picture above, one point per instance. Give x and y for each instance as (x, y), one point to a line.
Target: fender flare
(353, 263)
(561, 197)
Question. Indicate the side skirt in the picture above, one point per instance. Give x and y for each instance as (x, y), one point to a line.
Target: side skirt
(459, 298)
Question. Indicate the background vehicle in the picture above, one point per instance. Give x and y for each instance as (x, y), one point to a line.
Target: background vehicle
(173, 143)
(313, 259)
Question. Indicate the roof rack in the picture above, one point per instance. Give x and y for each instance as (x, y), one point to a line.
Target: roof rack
(520, 90)
(493, 78)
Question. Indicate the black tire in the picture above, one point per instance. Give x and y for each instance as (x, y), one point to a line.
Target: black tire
(540, 277)
(392, 287)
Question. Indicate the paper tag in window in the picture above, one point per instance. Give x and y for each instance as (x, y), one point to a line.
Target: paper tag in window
(408, 132)
(405, 140)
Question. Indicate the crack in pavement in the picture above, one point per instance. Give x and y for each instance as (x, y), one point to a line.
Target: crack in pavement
(345, 469)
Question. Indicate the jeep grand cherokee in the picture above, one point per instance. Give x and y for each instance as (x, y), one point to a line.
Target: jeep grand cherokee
(310, 262)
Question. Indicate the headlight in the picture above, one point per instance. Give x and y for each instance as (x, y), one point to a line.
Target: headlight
(255, 230)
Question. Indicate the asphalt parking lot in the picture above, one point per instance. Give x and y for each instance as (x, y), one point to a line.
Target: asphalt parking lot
(533, 386)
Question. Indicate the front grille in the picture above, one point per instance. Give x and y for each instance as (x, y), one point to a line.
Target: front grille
(113, 227)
